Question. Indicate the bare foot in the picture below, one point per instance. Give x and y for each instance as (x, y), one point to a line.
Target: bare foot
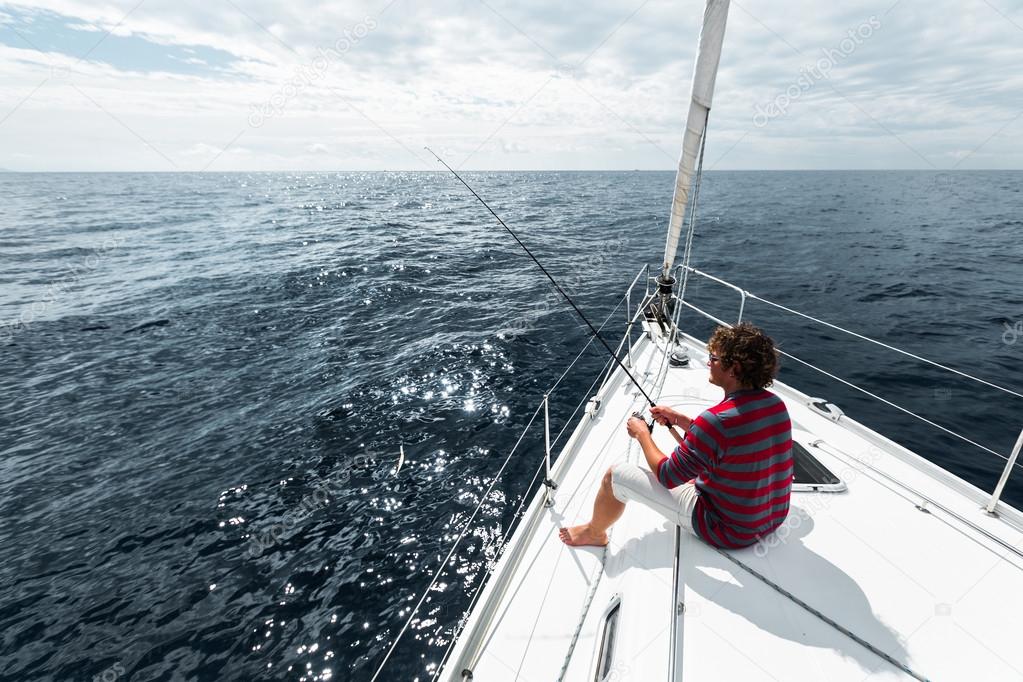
(582, 536)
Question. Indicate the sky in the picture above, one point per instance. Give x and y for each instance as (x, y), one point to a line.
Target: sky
(226, 85)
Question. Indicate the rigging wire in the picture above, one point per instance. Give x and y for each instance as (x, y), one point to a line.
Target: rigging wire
(875, 396)
(687, 254)
(882, 344)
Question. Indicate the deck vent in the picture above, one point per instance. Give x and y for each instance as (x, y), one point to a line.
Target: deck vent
(810, 475)
(605, 659)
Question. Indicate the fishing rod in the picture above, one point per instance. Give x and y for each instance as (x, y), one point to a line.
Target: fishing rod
(557, 286)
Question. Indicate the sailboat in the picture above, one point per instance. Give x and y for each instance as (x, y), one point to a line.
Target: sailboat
(887, 567)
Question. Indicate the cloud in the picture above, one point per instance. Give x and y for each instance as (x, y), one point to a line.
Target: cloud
(513, 147)
(50, 33)
(499, 84)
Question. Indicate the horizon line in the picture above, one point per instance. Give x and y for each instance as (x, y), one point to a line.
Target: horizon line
(524, 170)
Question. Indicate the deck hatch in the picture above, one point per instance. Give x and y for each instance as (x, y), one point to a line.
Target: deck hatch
(605, 659)
(810, 474)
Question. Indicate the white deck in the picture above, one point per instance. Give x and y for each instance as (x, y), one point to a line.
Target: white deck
(936, 590)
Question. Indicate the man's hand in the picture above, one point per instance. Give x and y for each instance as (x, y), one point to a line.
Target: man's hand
(636, 427)
(667, 416)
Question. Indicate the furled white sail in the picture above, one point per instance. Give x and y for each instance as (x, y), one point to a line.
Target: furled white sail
(708, 55)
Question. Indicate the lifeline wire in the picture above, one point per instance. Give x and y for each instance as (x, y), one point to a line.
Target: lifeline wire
(553, 281)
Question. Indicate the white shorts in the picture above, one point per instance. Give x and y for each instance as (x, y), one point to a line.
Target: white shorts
(633, 483)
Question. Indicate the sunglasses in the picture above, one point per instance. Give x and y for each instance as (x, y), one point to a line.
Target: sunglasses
(711, 357)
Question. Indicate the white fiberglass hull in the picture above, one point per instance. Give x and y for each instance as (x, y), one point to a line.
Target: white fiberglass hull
(899, 576)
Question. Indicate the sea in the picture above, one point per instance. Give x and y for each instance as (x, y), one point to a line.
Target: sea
(244, 416)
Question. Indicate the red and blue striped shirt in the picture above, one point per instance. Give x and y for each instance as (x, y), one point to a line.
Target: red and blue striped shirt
(739, 455)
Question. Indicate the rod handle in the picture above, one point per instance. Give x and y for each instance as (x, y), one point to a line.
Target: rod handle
(675, 434)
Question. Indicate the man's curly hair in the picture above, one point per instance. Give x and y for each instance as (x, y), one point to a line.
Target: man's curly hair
(748, 351)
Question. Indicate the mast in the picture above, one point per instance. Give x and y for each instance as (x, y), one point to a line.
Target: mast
(708, 55)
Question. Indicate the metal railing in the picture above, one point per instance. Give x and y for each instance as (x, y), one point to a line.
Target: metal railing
(607, 372)
(475, 644)
(602, 379)
(1010, 460)
(544, 467)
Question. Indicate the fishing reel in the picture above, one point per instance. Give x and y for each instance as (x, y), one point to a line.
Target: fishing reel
(649, 424)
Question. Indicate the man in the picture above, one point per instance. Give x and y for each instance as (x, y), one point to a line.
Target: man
(729, 480)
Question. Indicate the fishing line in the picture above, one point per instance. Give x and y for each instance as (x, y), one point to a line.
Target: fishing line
(557, 286)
